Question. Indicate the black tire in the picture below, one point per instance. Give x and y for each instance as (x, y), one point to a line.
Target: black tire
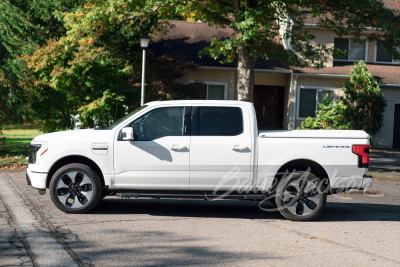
(75, 188)
(104, 193)
(300, 196)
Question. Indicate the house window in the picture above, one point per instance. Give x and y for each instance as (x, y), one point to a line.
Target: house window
(382, 55)
(355, 51)
(309, 99)
(209, 90)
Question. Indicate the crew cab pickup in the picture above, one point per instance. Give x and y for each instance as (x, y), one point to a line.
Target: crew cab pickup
(199, 149)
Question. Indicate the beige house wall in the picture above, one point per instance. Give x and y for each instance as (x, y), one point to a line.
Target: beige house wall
(271, 79)
(227, 76)
(286, 108)
(292, 84)
(324, 37)
(371, 52)
(317, 82)
(384, 138)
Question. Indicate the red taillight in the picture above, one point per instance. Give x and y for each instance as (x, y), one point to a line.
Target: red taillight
(362, 151)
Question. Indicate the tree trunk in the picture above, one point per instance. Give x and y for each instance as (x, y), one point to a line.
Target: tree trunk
(245, 68)
(11, 89)
(246, 63)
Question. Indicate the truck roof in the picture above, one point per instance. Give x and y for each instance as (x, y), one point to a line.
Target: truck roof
(196, 102)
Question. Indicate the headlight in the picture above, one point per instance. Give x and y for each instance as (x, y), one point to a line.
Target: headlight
(33, 149)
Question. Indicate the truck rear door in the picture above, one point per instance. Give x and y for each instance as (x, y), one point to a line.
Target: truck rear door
(220, 148)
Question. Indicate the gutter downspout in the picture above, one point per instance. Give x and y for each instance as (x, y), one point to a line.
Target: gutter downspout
(294, 102)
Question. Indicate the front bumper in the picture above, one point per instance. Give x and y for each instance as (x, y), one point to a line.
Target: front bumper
(36, 179)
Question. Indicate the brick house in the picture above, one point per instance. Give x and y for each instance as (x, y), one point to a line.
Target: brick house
(284, 96)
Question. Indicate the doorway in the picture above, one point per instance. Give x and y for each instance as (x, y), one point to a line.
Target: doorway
(396, 128)
(268, 102)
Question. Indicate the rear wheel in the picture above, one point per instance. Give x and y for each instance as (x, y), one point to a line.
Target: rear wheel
(75, 188)
(300, 196)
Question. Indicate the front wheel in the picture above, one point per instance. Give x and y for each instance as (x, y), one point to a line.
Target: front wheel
(300, 196)
(75, 188)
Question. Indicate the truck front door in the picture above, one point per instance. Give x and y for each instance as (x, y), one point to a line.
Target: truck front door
(158, 158)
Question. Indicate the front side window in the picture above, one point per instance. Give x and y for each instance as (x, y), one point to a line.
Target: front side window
(309, 99)
(355, 50)
(159, 123)
(220, 121)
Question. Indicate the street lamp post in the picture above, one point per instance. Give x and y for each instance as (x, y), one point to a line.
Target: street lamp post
(144, 43)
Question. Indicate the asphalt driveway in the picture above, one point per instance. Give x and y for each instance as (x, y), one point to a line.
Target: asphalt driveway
(355, 229)
(385, 161)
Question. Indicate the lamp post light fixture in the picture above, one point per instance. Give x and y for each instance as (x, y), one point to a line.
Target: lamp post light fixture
(144, 43)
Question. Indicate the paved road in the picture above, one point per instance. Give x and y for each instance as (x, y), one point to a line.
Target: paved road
(385, 161)
(355, 229)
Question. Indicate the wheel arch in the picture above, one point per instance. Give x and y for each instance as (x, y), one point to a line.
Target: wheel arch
(74, 159)
(301, 165)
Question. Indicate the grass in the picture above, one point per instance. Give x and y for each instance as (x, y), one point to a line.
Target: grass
(14, 143)
(379, 176)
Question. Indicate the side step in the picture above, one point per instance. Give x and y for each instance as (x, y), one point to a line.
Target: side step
(194, 195)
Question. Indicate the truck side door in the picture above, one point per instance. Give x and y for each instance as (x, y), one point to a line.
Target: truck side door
(158, 158)
(220, 149)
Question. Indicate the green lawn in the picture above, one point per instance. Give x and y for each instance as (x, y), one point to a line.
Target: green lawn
(14, 143)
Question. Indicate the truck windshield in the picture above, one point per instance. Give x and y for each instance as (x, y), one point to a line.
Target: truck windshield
(125, 118)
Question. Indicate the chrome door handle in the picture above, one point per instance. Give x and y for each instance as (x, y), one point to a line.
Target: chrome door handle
(239, 147)
(177, 147)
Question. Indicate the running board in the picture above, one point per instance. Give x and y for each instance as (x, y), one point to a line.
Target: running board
(197, 195)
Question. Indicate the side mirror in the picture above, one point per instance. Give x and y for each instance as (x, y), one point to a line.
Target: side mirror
(127, 134)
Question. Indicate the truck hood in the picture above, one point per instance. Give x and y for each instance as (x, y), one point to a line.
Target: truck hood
(345, 134)
(66, 136)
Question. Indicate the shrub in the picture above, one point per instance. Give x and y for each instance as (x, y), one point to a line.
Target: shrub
(328, 117)
(364, 100)
(360, 108)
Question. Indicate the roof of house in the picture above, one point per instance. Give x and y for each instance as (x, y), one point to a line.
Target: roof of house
(385, 74)
(186, 39)
(309, 19)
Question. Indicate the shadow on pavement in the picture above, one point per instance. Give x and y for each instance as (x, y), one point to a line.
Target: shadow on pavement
(362, 212)
(186, 208)
(333, 211)
(384, 161)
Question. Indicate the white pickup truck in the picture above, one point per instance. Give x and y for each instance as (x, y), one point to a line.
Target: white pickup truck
(199, 149)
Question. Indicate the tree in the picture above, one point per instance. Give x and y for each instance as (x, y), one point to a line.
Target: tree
(364, 100)
(4, 102)
(101, 112)
(25, 25)
(360, 108)
(95, 67)
(60, 80)
(258, 26)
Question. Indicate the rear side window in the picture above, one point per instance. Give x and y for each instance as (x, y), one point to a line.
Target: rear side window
(217, 121)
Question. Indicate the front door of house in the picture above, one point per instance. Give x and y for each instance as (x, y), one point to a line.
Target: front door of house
(268, 102)
(396, 130)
